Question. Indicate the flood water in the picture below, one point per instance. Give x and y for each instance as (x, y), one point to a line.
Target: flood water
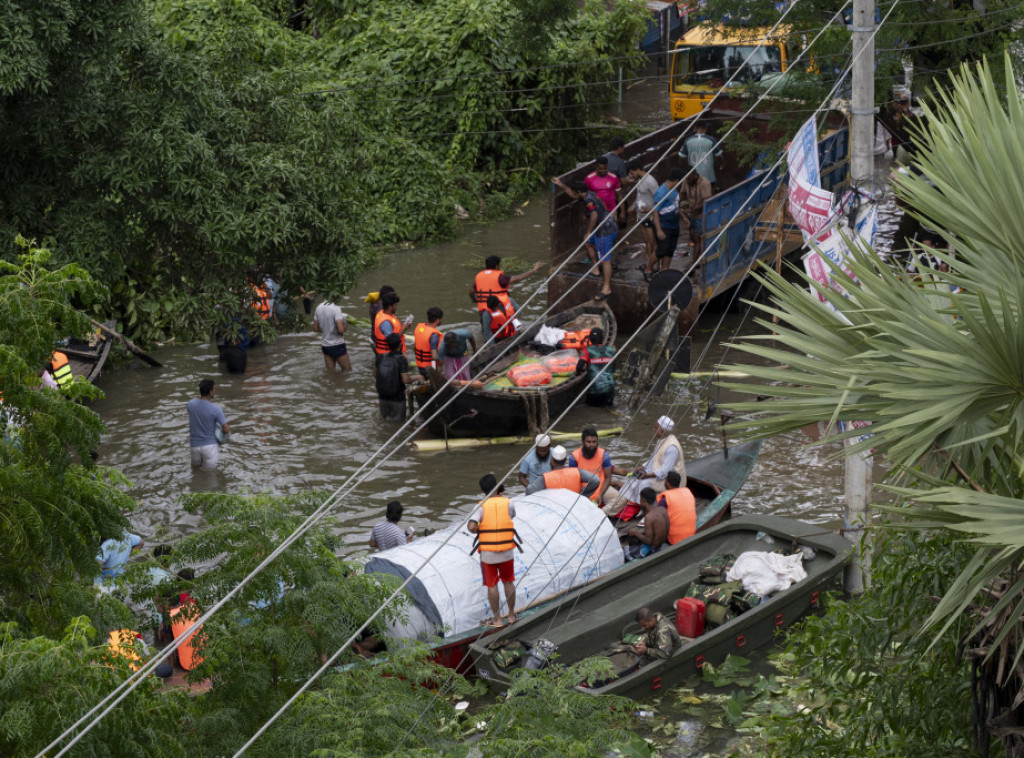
(295, 427)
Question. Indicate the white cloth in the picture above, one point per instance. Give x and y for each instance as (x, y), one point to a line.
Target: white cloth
(765, 573)
(548, 335)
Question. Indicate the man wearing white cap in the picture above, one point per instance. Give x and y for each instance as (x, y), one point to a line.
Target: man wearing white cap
(537, 462)
(667, 456)
(566, 477)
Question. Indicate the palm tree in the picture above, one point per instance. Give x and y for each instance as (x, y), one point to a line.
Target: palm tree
(936, 364)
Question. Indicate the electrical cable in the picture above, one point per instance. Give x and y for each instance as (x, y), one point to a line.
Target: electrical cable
(136, 678)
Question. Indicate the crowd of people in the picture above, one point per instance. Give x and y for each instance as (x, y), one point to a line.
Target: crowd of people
(678, 200)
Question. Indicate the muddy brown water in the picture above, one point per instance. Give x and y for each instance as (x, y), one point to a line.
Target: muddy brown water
(295, 427)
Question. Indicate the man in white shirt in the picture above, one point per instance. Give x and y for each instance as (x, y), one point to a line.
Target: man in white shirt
(330, 323)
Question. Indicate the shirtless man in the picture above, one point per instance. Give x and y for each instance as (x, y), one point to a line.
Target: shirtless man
(655, 531)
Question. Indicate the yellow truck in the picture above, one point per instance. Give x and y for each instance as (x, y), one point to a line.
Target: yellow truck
(706, 57)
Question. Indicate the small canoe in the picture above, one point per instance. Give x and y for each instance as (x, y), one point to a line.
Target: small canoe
(88, 356)
(500, 409)
(714, 480)
(592, 621)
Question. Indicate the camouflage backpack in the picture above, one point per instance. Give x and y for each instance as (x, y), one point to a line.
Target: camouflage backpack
(713, 571)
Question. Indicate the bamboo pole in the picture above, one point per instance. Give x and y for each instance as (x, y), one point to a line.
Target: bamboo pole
(722, 374)
(435, 446)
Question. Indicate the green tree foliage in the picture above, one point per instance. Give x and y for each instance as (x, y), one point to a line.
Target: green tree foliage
(169, 146)
(54, 510)
(937, 372)
(46, 684)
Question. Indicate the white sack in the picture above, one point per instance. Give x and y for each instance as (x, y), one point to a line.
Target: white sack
(567, 541)
(765, 573)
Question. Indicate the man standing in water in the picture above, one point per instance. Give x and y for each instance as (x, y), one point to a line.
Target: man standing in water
(330, 323)
(496, 539)
(204, 416)
(392, 376)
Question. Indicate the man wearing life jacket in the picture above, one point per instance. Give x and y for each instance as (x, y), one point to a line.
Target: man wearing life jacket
(486, 284)
(667, 456)
(385, 323)
(427, 340)
(598, 358)
(681, 508)
(565, 477)
(499, 319)
(595, 459)
(60, 370)
(261, 300)
(496, 539)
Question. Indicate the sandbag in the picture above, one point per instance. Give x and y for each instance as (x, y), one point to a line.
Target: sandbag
(529, 375)
(561, 362)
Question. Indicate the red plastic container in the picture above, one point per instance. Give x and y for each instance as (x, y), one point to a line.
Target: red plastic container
(690, 614)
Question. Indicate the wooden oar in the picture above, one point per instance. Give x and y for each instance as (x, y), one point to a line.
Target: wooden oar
(128, 344)
(434, 446)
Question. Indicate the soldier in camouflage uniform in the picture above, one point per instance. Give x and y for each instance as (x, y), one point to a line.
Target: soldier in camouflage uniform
(661, 635)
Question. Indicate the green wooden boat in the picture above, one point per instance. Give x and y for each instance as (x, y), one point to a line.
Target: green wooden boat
(714, 480)
(593, 620)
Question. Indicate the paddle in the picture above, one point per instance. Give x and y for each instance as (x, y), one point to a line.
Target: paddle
(128, 344)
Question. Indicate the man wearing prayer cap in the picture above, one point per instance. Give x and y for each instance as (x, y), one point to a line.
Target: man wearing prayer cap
(565, 477)
(624, 501)
(537, 462)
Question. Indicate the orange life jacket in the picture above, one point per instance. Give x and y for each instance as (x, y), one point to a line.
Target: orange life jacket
(502, 325)
(495, 532)
(565, 478)
(380, 346)
(682, 514)
(562, 363)
(61, 369)
(593, 465)
(122, 644)
(261, 301)
(575, 340)
(421, 345)
(187, 656)
(486, 284)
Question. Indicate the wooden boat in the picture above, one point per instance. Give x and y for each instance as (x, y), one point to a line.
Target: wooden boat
(500, 409)
(714, 480)
(88, 356)
(593, 620)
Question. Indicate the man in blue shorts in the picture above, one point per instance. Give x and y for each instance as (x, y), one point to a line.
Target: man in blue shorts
(666, 220)
(330, 323)
(601, 231)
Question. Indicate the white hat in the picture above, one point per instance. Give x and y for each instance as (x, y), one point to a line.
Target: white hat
(542, 440)
(558, 453)
(666, 423)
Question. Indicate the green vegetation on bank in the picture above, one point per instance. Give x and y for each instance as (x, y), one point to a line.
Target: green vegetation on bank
(169, 145)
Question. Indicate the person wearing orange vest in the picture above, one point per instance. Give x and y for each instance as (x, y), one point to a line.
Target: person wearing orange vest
(427, 340)
(499, 319)
(261, 301)
(182, 623)
(385, 323)
(60, 370)
(486, 284)
(496, 539)
(595, 459)
(565, 477)
(681, 507)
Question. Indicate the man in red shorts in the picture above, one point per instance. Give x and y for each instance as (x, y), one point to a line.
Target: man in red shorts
(496, 539)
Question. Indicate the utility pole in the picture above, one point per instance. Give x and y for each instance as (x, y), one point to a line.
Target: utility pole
(858, 467)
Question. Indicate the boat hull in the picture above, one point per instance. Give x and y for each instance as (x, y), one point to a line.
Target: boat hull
(599, 614)
(715, 480)
(481, 412)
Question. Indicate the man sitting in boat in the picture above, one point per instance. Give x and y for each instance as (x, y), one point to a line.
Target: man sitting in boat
(565, 477)
(661, 638)
(624, 501)
(681, 508)
(500, 320)
(654, 534)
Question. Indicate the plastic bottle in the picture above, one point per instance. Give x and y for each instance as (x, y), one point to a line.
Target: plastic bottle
(643, 714)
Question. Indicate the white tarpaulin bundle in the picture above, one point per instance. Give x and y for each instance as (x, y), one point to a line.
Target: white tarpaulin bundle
(566, 539)
(764, 573)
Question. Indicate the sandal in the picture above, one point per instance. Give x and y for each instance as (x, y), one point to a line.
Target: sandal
(601, 296)
(511, 618)
(646, 274)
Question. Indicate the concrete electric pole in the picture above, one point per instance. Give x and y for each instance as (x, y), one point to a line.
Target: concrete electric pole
(858, 467)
